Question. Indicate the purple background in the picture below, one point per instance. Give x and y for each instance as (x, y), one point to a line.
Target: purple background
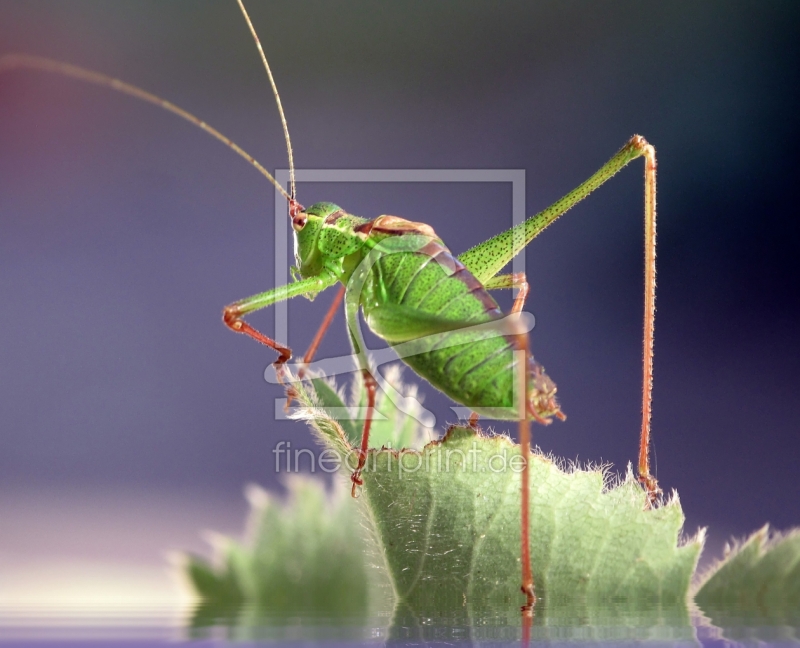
(123, 231)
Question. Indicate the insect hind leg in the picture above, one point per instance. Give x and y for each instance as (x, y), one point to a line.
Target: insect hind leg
(511, 280)
(523, 401)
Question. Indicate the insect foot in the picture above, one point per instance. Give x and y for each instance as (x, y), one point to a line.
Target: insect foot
(474, 422)
(371, 386)
(651, 485)
(527, 609)
(357, 481)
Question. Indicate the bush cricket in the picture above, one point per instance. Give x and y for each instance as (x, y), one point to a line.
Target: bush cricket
(411, 288)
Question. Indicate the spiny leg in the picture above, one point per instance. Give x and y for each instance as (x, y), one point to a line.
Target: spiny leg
(526, 373)
(649, 482)
(522, 343)
(486, 260)
(525, 450)
(420, 322)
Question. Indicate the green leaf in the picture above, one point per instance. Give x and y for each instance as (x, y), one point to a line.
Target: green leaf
(436, 533)
(333, 419)
(446, 519)
(754, 591)
(304, 556)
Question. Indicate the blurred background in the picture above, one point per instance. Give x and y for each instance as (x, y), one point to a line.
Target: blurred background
(131, 418)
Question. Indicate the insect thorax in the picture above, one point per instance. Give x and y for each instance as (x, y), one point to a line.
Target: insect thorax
(324, 234)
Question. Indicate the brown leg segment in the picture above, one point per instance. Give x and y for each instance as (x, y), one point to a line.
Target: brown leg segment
(291, 394)
(312, 349)
(649, 153)
(232, 318)
(525, 450)
(371, 386)
(521, 282)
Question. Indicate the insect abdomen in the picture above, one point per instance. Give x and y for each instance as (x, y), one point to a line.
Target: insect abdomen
(474, 368)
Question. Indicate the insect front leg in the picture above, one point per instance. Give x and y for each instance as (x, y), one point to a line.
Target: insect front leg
(233, 315)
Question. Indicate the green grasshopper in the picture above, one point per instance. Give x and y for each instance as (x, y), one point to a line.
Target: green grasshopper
(413, 291)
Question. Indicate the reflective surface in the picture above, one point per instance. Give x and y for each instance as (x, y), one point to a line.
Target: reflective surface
(146, 627)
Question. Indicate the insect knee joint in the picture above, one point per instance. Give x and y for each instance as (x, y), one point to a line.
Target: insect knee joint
(230, 315)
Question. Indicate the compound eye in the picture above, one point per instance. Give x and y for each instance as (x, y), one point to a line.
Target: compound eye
(299, 222)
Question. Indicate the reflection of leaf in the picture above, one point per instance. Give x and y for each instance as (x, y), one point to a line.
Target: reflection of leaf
(304, 557)
(754, 591)
(447, 522)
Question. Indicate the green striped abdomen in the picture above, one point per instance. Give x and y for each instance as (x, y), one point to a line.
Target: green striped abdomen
(422, 297)
(478, 373)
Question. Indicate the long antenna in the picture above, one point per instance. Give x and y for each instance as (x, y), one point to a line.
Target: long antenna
(277, 100)
(15, 61)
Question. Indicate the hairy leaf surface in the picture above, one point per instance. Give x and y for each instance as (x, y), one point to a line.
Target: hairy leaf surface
(446, 519)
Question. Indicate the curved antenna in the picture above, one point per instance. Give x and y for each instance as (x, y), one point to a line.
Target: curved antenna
(277, 100)
(40, 63)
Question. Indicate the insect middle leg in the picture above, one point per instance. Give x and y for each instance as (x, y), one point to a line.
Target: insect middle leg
(291, 392)
(352, 306)
(326, 322)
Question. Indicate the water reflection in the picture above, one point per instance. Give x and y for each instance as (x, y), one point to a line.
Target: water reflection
(610, 625)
